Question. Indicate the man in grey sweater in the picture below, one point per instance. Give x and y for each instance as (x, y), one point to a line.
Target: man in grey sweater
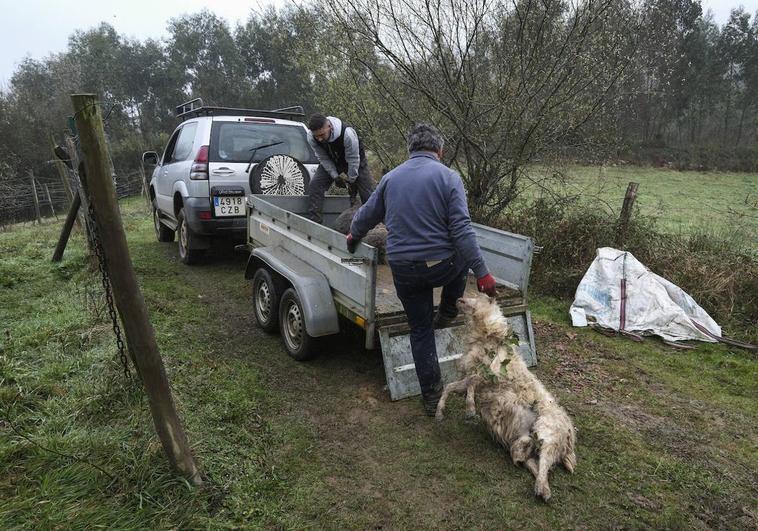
(341, 159)
(430, 244)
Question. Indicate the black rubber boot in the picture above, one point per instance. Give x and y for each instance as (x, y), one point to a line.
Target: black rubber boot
(431, 399)
(442, 321)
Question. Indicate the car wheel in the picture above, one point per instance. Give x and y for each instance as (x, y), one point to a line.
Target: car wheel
(266, 300)
(162, 232)
(298, 343)
(279, 175)
(187, 255)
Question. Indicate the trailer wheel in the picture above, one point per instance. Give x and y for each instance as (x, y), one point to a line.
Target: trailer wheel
(266, 300)
(298, 343)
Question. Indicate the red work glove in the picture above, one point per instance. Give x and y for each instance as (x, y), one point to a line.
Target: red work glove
(486, 284)
(352, 243)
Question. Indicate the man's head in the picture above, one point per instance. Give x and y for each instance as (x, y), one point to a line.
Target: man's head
(320, 126)
(425, 137)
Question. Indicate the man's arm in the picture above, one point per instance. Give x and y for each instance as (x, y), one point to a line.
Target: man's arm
(323, 156)
(352, 153)
(459, 225)
(370, 214)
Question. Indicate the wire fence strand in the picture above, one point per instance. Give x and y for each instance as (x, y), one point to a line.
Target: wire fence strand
(17, 198)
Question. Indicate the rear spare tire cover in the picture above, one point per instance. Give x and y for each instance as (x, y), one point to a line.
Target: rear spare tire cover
(279, 175)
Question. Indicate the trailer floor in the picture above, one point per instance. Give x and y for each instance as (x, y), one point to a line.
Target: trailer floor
(388, 303)
(386, 297)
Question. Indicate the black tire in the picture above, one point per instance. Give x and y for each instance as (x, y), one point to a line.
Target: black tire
(187, 254)
(279, 175)
(266, 294)
(162, 232)
(299, 344)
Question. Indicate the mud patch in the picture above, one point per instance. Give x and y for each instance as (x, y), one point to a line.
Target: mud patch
(681, 441)
(564, 363)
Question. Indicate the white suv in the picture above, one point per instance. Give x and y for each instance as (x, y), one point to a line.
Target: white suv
(214, 158)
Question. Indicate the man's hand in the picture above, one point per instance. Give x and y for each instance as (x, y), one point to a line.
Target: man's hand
(486, 284)
(352, 243)
(340, 181)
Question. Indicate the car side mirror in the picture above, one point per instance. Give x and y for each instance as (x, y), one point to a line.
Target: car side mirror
(150, 157)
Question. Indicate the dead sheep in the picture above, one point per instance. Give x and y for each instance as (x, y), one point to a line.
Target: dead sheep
(517, 409)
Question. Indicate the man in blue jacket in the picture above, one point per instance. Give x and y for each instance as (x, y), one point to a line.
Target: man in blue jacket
(430, 243)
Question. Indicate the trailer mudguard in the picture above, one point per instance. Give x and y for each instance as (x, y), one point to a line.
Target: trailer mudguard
(311, 286)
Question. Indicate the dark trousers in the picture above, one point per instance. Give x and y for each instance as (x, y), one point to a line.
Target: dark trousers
(414, 282)
(321, 182)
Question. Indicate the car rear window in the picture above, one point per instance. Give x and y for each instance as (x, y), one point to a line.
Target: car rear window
(235, 142)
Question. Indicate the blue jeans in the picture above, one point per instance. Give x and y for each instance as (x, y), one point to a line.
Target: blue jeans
(414, 282)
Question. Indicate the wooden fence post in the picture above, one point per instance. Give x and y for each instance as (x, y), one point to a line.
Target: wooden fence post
(129, 301)
(34, 196)
(66, 230)
(62, 172)
(626, 214)
(143, 176)
(73, 165)
(50, 201)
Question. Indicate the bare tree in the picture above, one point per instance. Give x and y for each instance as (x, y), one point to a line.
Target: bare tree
(509, 82)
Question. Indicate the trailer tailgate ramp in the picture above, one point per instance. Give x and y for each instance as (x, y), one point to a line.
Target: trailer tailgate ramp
(451, 345)
(509, 259)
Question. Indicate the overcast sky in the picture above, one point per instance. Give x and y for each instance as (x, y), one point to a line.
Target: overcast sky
(38, 28)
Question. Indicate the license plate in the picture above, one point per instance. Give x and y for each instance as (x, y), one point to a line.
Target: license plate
(229, 206)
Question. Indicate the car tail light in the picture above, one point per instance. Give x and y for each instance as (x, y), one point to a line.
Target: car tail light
(204, 214)
(199, 171)
(261, 120)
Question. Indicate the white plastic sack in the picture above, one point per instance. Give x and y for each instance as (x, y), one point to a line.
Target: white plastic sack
(652, 305)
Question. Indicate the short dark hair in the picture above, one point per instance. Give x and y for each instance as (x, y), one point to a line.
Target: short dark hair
(316, 121)
(424, 137)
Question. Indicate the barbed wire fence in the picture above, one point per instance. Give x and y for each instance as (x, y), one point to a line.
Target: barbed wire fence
(17, 205)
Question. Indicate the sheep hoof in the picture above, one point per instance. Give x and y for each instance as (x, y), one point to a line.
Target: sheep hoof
(542, 491)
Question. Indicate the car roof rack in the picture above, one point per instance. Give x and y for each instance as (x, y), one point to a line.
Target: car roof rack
(194, 108)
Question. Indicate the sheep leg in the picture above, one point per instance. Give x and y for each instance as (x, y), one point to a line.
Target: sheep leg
(452, 387)
(471, 396)
(548, 454)
(532, 466)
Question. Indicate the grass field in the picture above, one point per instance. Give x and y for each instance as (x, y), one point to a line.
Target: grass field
(722, 204)
(666, 439)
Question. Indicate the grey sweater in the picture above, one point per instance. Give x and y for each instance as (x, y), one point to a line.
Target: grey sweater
(423, 205)
(352, 155)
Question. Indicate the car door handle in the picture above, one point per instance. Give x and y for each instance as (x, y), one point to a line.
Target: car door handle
(223, 171)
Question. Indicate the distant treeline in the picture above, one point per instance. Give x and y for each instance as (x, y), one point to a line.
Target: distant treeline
(507, 82)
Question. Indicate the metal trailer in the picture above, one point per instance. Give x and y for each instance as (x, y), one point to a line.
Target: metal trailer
(304, 279)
